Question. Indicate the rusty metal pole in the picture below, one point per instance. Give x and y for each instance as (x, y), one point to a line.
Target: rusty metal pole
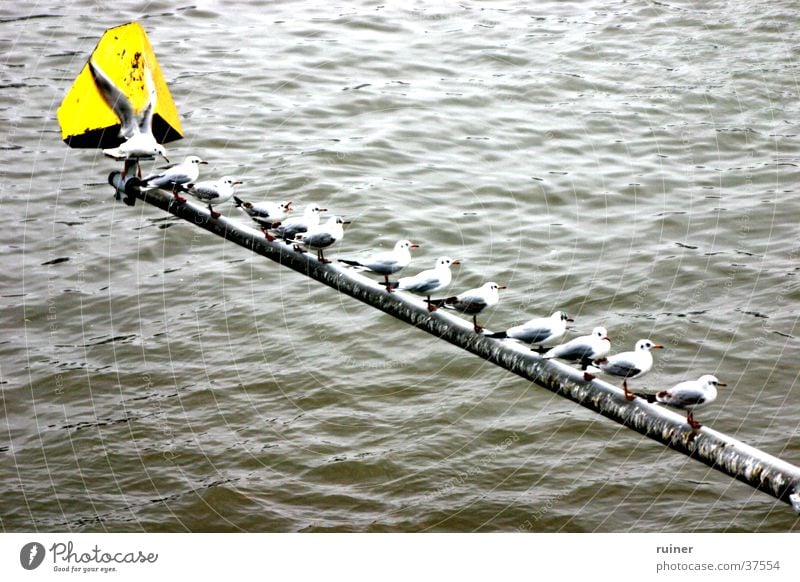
(721, 452)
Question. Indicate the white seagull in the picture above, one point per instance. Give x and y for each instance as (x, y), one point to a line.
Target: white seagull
(540, 332)
(291, 227)
(583, 349)
(214, 192)
(627, 365)
(690, 395)
(388, 262)
(474, 301)
(137, 129)
(322, 236)
(173, 178)
(428, 281)
(266, 214)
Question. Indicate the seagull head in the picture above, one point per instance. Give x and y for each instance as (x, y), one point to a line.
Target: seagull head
(562, 316)
(314, 209)
(645, 345)
(160, 150)
(492, 286)
(601, 332)
(446, 262)
(710, 380)
(194, 160)
(404, 245)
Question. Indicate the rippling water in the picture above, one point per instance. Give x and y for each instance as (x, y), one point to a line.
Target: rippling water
(633, 163)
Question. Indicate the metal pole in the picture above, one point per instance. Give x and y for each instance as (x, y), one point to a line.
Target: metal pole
(721, 452)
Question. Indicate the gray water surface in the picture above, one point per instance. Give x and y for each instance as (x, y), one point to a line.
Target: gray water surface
(632, 163)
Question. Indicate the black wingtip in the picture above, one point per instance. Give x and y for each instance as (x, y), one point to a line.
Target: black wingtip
(354, 264)
(651, 398)
(498, 335)
(239, 202)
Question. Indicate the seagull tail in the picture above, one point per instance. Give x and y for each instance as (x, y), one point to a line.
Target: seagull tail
(238, 201)
(498, 335)
(390, 286)
(440, 302)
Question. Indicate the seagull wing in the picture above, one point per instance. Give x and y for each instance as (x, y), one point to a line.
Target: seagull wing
(571, 352)
(145, 124)
(620, 367)
(683, 398)
(468, 303)
(116, 100)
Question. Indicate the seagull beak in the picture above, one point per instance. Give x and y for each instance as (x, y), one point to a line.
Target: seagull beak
(323, 210)
(659, 346)
(721, 384)
(288, 206)
(414, 246)
(203, 162)
(238, 182)
(455, 262)
(608, 339)
(569, 319)
(501, 286)
(165, 157)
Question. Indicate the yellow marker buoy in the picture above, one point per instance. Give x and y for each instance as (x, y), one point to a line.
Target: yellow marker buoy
(85, 118)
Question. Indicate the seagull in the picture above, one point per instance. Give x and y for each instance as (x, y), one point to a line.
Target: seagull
(690, 395)
(265, 214)
(183, 174)
(627, 365)
(213, 192)
(427, 282)
(583, 349)
(388, 262)
(137, 129)
(291, 227)
(323, 236)
(474, 301)
(541, 332)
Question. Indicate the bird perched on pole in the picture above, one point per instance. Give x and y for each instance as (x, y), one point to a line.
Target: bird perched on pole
(690, 395)
(388, 262)
(176, 177)
(540, 332)
(428, 281)
(627, 365)
(584, 349)
(323, 236)
(266, 214)
(473, 301)
(213, 192)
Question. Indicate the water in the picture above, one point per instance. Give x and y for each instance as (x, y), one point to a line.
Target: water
(634, 164)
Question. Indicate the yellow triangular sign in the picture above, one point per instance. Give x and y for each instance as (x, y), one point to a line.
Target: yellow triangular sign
(88, 122)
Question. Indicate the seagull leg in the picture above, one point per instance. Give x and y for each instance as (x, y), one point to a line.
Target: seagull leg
(214, 213)
(388, 286)
(321, 258)
(431, 306)
(478, 328)
(264, 229)
(628, 395)
(178, 197)
(692, 422)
